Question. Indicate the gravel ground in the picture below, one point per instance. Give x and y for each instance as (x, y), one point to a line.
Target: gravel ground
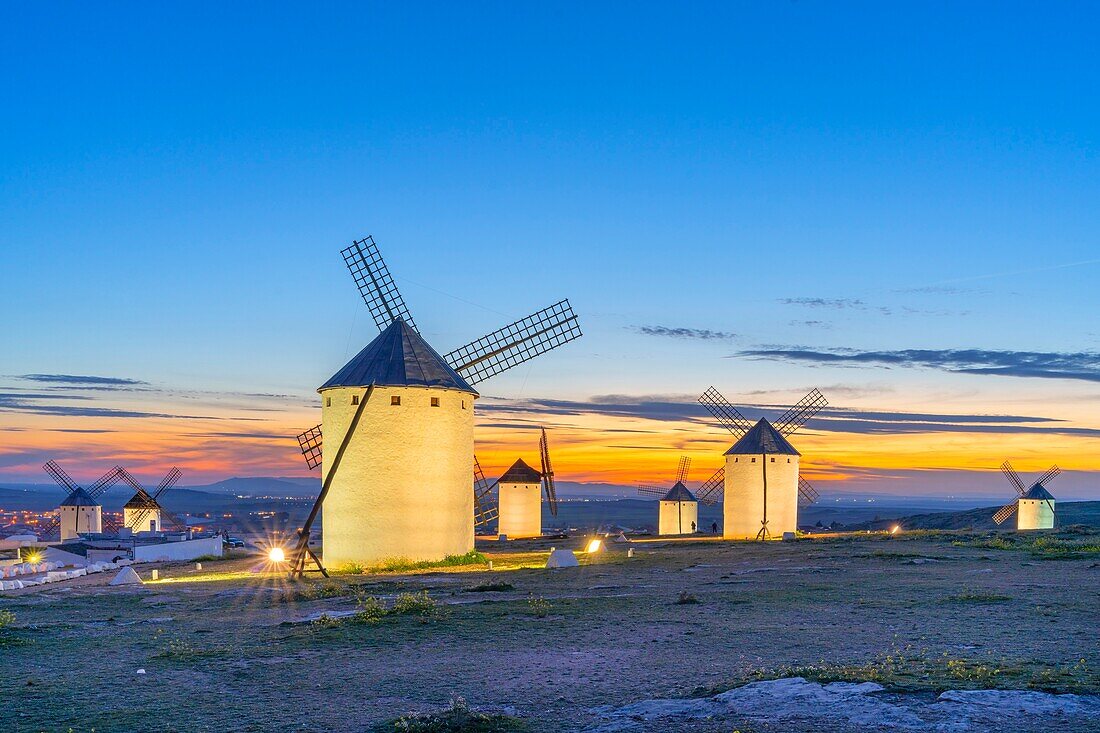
(227, 650)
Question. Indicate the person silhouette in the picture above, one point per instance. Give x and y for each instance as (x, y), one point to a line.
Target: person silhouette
(693, 527)
(714, 527)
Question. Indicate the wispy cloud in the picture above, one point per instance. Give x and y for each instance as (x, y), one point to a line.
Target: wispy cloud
(662, 409)
(39, 404)
(75, 380)
(1081, 365)
(834, 303)
(701, 334)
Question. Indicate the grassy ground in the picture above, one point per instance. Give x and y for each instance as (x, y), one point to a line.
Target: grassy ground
(228, 649)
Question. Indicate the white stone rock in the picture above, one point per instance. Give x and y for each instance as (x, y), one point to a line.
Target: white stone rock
(562, 559)
(126, 576)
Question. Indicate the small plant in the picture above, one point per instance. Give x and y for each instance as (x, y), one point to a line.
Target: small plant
(686, 599)
(415, 604)
(351, 568)
(316, 591)
(490, 588)
(401, 564)
(458, 717)
(324, 621)
(973, 597)
(370, 611)
(539, 606)
(7, 620)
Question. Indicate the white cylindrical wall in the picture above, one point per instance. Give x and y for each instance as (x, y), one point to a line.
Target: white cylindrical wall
(676, 517)
(1035, 514)
(77, 520)
(520, 510)
(404, 488)
(147, 518)
(743, 501)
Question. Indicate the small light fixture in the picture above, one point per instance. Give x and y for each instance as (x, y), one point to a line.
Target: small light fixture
(593, 546)
(276, 554)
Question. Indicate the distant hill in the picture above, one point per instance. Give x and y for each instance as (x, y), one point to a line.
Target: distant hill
(264, 486)
(1068, 512)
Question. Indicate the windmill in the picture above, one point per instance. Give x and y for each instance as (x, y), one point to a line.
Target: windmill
(520, 493)
(756, 504)
(400, 481)
(143, 511)
(80, 512)
(1034, 506)
(678, 509)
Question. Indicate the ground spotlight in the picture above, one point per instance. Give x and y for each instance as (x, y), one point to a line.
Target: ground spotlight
(276, 554)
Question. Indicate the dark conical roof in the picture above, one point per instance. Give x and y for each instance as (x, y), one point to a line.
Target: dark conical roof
(80, 497)
(141, 500)
(520, 473)
(679, 492)
(1038, 491)
(762, 438)
(398, 357)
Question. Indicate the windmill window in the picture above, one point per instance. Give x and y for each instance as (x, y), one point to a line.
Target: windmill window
(435, 402)
(788, 460)
(754, 459)
(773, 460)
(395, 400)
(328, 402)
(355, 399)
(463, 404)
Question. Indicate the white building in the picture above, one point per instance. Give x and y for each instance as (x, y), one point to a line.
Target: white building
(761, 485)
(1035, 509)
(80, 514)
(141, 513)
(404, 485)
(679, 512)
(520, 502)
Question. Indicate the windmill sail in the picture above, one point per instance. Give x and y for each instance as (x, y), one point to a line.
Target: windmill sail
(801, 412)
(486, 510)
(516, 343)
(375, 284)
(310, 444)
(710, 493)
(726, 414)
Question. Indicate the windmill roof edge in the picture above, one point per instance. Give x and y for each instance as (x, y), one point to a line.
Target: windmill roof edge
(398, 357)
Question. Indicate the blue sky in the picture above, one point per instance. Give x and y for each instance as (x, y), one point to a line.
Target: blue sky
(803, 180)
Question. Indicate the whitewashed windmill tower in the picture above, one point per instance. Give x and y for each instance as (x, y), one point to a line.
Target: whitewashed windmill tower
(1033, 507)
(143, 512)
(80, 512)
(678, 509)
(762, 487)
(396, 440)
(519, 496)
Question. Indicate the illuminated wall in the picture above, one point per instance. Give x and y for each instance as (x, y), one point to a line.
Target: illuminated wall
(744, 502)
(77, 520)
(677, 517)
(149, 519)
(1035, 514)
(404, 488)
(520, 510)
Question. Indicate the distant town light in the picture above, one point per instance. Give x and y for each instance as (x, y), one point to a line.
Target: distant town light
(895, 529)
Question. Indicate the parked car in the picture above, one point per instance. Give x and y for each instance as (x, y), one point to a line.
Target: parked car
(233, 542)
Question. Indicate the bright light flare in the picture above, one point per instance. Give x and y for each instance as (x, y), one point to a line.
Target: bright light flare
(594, 546)
(276, 554)
(895, 529)
(33, 558)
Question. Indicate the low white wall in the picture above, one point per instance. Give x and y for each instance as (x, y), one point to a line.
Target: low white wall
(186, 550)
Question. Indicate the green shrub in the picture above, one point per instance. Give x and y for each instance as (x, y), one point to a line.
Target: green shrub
(401, 564)
(370, 611)
(539, 606)
(7, 620)
(490, 588)
(458, 717)
(414, 604)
